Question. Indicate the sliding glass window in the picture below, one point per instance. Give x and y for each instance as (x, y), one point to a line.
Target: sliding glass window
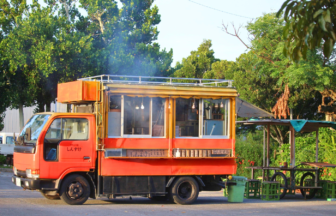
(215, 118)
(139, 117)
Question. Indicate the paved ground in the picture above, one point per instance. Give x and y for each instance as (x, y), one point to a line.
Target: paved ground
(15, 201)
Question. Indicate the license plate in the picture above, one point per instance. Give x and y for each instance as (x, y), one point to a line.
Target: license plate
(18, 182)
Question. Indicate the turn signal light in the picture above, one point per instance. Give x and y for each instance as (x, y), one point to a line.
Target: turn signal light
(36, 171)
(33, 173)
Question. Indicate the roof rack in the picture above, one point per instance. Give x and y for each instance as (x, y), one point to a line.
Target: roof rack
(159, 80)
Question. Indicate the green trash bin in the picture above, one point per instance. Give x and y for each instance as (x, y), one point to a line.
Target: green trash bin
(236, 192)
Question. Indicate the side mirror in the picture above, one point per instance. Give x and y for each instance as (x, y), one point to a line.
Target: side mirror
(28, 134)
(19, 141)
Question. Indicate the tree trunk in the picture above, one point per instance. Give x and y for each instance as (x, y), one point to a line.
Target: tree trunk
(48, 107)
(277, 135)
(21, 120)
(40, 106)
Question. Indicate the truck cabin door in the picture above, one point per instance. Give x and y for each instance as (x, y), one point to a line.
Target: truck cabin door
(68, 144)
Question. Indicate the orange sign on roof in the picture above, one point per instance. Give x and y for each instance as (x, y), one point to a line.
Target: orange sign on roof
(77, 91)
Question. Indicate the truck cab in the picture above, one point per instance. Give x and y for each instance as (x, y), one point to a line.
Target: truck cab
(52, 145)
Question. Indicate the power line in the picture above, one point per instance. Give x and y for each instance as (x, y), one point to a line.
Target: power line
(220, 10)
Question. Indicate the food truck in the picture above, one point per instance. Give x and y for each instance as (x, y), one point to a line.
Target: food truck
(157, 137)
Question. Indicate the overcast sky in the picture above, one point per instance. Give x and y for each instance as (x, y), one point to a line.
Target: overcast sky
(184, 24)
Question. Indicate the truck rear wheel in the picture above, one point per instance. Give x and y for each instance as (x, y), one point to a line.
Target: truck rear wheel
(50, 197)
(184, 191)
(75, 190)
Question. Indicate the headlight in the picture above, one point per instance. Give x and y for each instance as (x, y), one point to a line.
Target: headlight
(33, 173)
(28, 173)
(14, 170)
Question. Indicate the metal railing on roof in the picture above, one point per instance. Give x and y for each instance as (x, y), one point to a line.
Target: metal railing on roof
(159, 80)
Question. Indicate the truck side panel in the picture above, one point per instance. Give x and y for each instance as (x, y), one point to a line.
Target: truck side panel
(165, 166)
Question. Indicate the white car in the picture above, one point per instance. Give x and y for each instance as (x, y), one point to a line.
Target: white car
(7, 143)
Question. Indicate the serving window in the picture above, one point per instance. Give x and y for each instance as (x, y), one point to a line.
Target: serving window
(203, 118)
(136, 117)
(215, 119)
(187, 117)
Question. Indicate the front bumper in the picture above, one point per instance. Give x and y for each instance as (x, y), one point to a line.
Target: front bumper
(26, 183)
(35, 184)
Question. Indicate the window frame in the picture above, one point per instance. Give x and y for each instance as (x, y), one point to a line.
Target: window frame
(200, 122)
(61, 140)
(150, 135)
(226, 119)
(11, 137)
(62, 131)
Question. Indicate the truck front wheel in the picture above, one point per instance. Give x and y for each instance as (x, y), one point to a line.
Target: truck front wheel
(75, 190)
(184, 191)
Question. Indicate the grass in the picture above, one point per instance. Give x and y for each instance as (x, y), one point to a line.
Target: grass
(6, 166)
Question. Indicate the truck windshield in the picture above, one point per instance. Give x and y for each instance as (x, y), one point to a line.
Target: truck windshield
(36, 123)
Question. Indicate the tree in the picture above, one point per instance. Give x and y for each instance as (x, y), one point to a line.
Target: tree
(123, 38)
(41, 49)
(11, 16)
(262, 74)
(198, 64)
(309, 25)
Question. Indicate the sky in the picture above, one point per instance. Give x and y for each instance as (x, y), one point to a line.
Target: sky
(185, 24)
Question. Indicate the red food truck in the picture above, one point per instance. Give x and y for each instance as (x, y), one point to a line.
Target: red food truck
(157, 137)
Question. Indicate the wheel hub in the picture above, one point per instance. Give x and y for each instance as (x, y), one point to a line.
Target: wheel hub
(75, 190)
(184, 190)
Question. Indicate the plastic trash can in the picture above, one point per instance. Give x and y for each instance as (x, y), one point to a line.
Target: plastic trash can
(236, 192)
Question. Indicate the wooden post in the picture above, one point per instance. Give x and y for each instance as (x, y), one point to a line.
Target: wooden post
(292, 147)
(316, 159)
(268, 145)
(264, 145)
(317, 141)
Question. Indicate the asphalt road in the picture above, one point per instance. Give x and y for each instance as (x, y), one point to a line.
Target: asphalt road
(16, 201)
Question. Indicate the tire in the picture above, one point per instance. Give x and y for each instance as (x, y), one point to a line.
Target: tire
(184, 191)
(50, 197)
(75, 190)
(283, 183)
(311, 191)
(158, 198)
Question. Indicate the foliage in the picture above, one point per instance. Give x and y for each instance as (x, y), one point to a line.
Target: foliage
(202, 63)
(305, 149)
(309, 25)
(42, 45)
(262, 73)
(2, 159)
(123, 38)
(198, 63)
(2, 117)
(249, 152)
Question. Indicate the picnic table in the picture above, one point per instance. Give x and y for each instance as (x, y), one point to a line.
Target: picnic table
(312, 173)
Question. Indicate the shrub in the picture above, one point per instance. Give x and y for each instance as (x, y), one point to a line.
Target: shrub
(2, 159)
